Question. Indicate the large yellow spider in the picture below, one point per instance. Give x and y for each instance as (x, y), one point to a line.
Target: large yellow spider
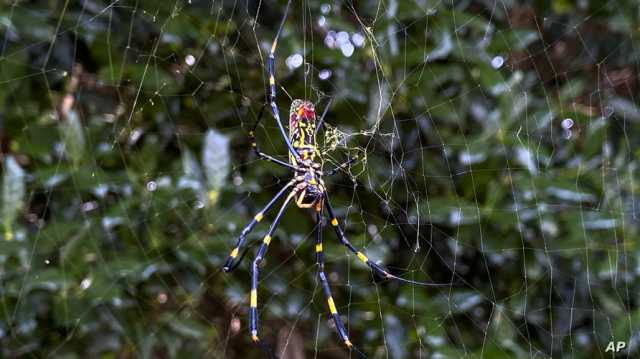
(308, 190)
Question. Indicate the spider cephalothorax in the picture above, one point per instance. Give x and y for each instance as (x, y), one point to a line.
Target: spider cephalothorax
(308, 190)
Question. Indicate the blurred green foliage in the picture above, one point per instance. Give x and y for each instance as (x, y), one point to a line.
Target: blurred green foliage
(498, 148)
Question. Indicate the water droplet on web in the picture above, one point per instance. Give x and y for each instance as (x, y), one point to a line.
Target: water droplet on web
(294, 61)
(86, 283)
(567, 134)
(330, 39)
(567, 123)
(235, 325)
(322, 21)
(324, 74)
(162, 297)
(342, 38)
(89, 206)
(347, 49)
(152, 186)
(357, 39)
(46, 261)
(325, 8)
(497, 62)
(190, 60)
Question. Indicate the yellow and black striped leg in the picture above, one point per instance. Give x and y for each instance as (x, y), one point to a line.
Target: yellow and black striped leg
(256, 148)
(229, 265)
(272, 86)
(342, 331)
(375, 268)
(262, 251)
(324, 113)
(344, 165)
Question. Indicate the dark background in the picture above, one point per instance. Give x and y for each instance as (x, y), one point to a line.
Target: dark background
(497, 146)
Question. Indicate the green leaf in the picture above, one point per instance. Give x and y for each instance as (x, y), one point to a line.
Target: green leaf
(13, 193)
(49, 280)
(216, 161)
(193, 177)
(73, 137)
(186, 328)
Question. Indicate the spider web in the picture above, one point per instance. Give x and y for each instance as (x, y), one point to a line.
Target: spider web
(494, 151)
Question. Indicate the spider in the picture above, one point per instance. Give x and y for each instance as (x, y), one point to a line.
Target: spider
(307, 189)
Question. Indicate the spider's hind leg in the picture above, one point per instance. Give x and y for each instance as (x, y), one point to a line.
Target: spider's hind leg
(375, 268)
(255, 272)
(342, 331)
(229, 263)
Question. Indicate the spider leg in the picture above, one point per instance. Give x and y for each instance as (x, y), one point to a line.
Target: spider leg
(272, 86)
(253, 310)
(375, 268)
(229, 265)
(256, 148)
(342, 331)
(336, 169)
(324, 113)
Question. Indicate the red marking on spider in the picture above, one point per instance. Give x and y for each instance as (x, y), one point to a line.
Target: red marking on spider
(306, 111)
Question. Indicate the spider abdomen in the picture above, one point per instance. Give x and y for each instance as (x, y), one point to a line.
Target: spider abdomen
(302, 130)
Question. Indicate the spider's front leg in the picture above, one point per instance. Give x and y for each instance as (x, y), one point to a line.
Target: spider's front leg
(256, 148)
(271, 70)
